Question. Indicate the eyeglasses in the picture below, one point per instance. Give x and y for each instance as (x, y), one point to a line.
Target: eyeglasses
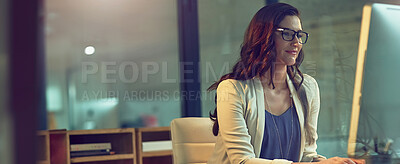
(288, 35)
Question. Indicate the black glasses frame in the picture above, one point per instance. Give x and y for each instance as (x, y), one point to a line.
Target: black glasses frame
(295, 33)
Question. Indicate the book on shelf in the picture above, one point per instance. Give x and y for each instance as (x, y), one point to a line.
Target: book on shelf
(156, 146)
(90, 146)
(91, 153)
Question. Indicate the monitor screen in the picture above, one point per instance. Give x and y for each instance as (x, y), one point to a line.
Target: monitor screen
(375, 120)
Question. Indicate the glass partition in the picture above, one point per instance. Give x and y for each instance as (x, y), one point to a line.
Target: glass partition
(330, 57)
(111, 64)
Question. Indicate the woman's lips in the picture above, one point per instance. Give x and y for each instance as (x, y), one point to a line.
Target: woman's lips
(292, 52)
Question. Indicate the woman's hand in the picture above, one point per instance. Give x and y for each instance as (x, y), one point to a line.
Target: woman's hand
(339, 160)
(336, 160)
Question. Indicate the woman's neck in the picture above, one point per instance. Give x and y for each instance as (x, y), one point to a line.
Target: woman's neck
(279, 77)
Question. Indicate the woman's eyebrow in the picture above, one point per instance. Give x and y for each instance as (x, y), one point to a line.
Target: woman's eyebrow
(290, 29)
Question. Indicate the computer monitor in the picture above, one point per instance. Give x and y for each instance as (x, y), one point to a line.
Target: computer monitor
(375, 118)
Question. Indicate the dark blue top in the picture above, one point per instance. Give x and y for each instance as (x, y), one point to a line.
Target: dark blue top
(271, 148)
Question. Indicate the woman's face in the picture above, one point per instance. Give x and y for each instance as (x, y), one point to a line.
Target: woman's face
(287, 51)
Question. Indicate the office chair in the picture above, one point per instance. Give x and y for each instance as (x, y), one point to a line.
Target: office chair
(192, 140)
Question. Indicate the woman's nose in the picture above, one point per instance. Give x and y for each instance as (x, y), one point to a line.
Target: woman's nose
(296, 40)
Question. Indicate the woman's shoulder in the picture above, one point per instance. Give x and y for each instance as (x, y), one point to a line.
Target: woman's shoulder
(237, 84)
(309, 79)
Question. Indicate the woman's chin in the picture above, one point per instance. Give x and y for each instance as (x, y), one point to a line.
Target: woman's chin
(291, 63)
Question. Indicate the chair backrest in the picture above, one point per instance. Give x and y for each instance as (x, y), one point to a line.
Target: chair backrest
(192, 140)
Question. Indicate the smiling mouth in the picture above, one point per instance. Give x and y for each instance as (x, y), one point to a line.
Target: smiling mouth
(292, 52)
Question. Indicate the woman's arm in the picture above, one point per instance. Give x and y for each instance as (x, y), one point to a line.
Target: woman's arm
(336, 160)
(232, 126)
(233, 129)
(313, 98)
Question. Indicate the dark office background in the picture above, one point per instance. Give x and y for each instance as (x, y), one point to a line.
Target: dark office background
(180, 48)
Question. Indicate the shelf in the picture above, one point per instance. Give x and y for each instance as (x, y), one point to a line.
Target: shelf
(122, 143)
(59, 147)
(155, 129)
(43, 146)
(100, 131)
(102, 158)
(42, 162)
(153, 134)
(54, 146)
(157, 153)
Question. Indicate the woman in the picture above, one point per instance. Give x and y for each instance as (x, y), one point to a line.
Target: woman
(266, 109)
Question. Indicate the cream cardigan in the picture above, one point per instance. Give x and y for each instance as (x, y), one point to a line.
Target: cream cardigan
(241, 118)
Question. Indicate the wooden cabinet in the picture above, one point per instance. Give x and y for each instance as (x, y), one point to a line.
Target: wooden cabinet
(163, 154)
(51, 147)
(59, 147)
(43, 147)
(122, 143)
(127, 145)
(54, 146)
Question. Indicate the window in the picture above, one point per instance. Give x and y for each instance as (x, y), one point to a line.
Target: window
(112, 64)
